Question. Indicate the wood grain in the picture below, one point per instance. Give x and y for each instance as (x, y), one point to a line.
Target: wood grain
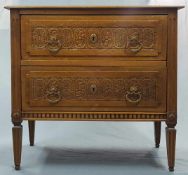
(172, 66)
(15, 65)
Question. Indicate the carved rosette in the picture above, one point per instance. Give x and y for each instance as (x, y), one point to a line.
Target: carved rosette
(16, 118)
(171, 119)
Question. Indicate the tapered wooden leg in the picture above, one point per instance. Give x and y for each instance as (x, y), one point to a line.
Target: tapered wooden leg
(171, 144)
(157, 133)
(17, 145)
(31, 125)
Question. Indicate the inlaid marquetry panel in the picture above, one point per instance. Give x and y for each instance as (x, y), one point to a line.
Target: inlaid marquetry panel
(57, 36)
(136, 88)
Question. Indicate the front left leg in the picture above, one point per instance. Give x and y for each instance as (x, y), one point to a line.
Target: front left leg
(17, 144)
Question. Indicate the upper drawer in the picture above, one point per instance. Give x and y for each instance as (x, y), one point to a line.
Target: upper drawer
(56, 36)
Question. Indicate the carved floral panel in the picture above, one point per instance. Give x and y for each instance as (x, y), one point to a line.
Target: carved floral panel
(55, 89)
(94, 38)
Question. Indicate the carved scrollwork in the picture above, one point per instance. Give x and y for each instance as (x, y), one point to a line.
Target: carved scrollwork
(39, 38)
(79, 38)
(55, 89)
(107, 38)
(128, 38)
(149, 37)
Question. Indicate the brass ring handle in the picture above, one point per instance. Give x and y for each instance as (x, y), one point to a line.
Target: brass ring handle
(135, 50)
(132, 96)
(53, 96)
(134, 45)
(54, 45)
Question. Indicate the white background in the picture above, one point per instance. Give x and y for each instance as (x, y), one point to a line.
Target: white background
(88, 148)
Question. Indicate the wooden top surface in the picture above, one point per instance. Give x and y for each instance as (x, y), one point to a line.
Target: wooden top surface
(85, 7)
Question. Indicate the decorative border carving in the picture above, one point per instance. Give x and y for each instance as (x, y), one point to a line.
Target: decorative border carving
(92, 116)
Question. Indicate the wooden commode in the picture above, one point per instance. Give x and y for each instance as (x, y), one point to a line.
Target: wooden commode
(94, 64)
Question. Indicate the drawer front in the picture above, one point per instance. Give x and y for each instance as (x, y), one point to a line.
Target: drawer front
(93, 89)
(57, 37)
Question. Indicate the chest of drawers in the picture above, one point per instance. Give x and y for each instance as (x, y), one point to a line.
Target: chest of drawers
(94, 63)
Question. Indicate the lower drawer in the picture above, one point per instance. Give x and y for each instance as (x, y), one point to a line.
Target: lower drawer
(94, 89)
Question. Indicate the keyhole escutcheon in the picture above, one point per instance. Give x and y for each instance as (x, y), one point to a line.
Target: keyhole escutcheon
(93, 38)
(93, 88)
